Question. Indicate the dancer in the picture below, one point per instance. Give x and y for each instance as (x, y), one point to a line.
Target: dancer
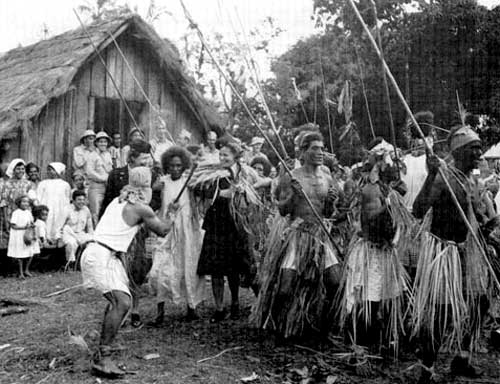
(175, 260)
(454, 278)
(102, 267)
(375, 282)
(301, 274)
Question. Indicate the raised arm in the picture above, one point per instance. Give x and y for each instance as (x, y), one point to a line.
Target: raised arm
(431, 190)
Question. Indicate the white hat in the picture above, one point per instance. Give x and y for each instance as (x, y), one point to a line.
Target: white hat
(256, 140)
(87, 133)
(102, 135)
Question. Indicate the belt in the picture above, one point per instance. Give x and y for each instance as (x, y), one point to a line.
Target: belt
(103, 245)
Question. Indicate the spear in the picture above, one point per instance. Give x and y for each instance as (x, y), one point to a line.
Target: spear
(361, 77)
(386, 84)
(325, 99)
(254, 121)
(415, 122)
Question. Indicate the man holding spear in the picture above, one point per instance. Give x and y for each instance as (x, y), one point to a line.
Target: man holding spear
(300, 277)
(452, 285)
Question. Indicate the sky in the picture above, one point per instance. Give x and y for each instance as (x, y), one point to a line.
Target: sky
(24, 21)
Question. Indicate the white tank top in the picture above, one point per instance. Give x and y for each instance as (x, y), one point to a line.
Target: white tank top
(112, 230)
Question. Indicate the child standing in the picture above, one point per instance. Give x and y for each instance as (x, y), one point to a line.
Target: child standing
(40, 213)
(20, 221)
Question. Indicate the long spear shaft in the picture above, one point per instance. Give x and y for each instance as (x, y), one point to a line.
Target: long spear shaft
(109, 73)
(386, 84)
(361, 77)
(415, 122)
(259, 88)
(146, 97)
(252, 118)
(327, 107)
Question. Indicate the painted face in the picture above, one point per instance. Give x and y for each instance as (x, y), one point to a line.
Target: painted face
(33, 174)
(141, 161)
(19, 171)
(315, 153)
(259, 168)
(25, 203)
(226, 157)
(79, 202)
(79, 181)
(102, 144)
(175, 168)
(88, 141)
(51, 173)
(117, 140)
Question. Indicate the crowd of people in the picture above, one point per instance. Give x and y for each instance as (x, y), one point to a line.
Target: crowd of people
(395, 245)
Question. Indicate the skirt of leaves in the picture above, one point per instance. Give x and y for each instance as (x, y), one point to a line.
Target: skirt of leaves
(394, 290)
(305, 304)
(451, 279)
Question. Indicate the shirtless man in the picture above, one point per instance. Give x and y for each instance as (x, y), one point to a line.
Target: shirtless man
(101, 266)
(308, 248)
(449, 233)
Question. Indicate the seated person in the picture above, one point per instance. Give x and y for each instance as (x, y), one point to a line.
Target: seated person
(78, 228)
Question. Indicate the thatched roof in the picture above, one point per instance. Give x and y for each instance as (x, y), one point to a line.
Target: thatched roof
(30, 76)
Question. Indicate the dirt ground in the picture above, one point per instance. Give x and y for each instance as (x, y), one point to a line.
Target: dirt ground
(35, 346)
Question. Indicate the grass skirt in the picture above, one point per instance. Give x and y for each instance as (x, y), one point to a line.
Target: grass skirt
(449, 282)
(374, 273)
(305, 304)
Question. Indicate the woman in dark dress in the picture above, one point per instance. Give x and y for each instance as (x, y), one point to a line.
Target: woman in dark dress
(225, 250)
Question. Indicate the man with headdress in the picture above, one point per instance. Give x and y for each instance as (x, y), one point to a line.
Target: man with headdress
(82, 152)
(102, 261)
(454, 277)
(374, 279)
(300, 276)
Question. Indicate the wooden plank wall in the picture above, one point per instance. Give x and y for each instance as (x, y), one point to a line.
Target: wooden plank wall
(93, 81)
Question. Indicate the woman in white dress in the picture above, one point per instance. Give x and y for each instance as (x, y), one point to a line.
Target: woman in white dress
(54, 192)
(175, 259)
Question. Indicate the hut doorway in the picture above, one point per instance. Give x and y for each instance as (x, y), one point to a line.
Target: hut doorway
(111, 116)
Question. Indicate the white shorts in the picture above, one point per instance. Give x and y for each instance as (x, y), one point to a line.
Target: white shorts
(102, 270)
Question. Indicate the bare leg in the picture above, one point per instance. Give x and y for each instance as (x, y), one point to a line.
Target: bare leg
(21, 271)
(160, 313)
(234, 285)
(27, 268)
(116, 310)
(218, 291)
(135, 318)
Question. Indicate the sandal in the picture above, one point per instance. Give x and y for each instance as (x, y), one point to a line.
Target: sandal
(218, 316)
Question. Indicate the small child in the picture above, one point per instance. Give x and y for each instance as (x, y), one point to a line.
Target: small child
(40, 213)
(20, 221)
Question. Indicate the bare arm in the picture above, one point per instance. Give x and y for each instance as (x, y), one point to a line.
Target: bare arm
(153, 222)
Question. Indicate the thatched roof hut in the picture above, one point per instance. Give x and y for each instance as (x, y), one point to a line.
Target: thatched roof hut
(53, 90)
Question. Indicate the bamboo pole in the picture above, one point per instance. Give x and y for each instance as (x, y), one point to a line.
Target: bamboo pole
(386, 84)
(414, 121)
(254, 121)
(325, 99)
(367, 105)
